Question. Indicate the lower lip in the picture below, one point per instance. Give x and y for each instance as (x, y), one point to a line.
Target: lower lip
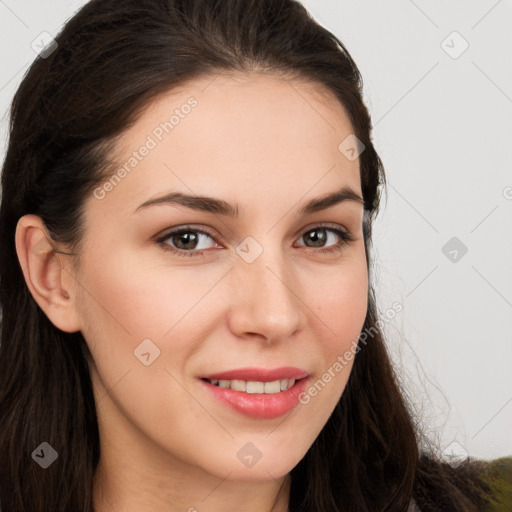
(259, 405)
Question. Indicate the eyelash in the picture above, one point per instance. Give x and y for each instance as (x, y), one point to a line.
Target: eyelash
(345, 236)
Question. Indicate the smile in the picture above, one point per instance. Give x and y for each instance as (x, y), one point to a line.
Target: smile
(256, 399)
(251, 386)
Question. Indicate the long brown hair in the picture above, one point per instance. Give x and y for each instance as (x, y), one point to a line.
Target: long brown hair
(111, 59)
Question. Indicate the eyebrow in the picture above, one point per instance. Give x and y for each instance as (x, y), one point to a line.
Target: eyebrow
(221, 207)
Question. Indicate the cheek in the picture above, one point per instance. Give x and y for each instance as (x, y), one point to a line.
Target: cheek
(130, 301)
(140, 299)
(341, 310)
(342, 303)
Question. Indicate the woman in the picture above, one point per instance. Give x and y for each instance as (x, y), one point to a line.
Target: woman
(170, 340)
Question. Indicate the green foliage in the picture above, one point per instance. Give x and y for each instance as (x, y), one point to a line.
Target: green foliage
(498, 475)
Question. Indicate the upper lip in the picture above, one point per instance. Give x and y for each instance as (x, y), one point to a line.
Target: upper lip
(259, 374)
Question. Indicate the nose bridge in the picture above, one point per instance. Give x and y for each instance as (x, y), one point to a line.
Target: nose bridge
(266, 303)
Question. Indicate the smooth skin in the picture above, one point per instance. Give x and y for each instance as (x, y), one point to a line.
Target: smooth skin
(268, 145)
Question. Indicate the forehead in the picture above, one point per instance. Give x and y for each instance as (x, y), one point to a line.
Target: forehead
(249, 135)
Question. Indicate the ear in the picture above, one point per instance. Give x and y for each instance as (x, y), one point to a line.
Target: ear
(49, 282)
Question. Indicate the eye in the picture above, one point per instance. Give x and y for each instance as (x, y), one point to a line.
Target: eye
(188, 241)
(185, 240)
(320, 235)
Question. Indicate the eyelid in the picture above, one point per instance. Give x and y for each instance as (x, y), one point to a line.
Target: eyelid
(331, 225)
(217, 237)
(191, 227)
(341, 231)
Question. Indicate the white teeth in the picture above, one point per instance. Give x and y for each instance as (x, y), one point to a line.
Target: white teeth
(238, 385)
(272, 387)
(255, 387)
(291, 382)
(251, 387)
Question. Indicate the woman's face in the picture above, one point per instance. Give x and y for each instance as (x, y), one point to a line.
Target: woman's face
(256, 290)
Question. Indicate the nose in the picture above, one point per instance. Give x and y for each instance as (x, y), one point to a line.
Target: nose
(265, 301)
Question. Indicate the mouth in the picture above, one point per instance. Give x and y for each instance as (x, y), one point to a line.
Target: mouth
(262, 394)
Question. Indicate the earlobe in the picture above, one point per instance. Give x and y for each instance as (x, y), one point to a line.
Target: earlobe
(45, 274)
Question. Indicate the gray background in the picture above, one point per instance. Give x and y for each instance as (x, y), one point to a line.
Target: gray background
(442, 125)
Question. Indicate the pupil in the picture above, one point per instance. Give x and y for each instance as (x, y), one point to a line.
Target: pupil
(187, 237)
(319, 238)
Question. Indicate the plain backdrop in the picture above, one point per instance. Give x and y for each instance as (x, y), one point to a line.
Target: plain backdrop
(438, 84)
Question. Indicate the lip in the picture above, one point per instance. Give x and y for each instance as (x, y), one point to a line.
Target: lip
(258, 405)
(260, 374)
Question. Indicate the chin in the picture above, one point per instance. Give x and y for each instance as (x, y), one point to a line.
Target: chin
(266, 464)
